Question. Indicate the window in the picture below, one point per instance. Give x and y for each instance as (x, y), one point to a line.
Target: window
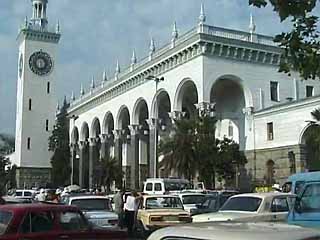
(310, 198)
(149, 187)
(230, 129)
(309, 91)
(48, 87)
(270, 130)
(157, 187)
(28, 143)
(279, 205)
(5, 218)
(37, 222)
(47, 125)
(30, 104)
(72, 221)
(274, 91)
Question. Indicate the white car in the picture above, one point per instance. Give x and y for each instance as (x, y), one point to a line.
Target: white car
(97, 209)
(236, 231)
(251, 207)
(191, 199)
(24, 193)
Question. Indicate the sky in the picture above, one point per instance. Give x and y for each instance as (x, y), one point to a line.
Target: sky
(97, 33)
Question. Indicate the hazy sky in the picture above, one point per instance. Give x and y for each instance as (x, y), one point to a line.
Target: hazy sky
(95, 33)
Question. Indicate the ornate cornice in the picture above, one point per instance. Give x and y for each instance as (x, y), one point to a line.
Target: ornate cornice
(39, 35)
(203, 40)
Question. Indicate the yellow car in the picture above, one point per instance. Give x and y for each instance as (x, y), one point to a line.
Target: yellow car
(157, 211)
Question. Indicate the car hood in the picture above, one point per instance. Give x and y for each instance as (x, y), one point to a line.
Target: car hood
(222, 216)
(100, 214)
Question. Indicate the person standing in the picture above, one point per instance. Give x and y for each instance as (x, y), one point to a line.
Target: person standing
(41, 197)
(130, 208)
(118, 207)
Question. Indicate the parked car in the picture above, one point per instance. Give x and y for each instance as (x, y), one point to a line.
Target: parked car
(50, 222)
(190, 200)
(165, 185)
(156, 211)
(236, 231)
(306, 211)
(252, 207)
(24, 193)
(296, 182)
(213, 201)
(97, 209)
(14, 200)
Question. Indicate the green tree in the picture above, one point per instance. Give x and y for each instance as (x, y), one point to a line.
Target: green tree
(109, 171)
(301, 45)
(178, 150)
(59, 145)
(7, 174)
(6, 143)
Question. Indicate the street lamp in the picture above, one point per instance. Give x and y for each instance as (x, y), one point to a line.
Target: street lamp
(156, 80)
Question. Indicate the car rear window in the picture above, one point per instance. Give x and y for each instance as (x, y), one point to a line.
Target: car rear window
(5, 218)
(92, 204)
(193, 199)
(247, 204)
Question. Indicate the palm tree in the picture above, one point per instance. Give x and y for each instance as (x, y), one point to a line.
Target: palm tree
(109, 171)
(178, 150)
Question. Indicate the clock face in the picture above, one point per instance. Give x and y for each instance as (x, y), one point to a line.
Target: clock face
(40, 63)
(20, 65)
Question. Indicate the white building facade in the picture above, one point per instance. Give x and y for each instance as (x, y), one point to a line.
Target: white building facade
(233, 73)
(36, 101)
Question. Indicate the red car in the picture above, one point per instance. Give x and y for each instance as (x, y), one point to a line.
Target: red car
(49, 222)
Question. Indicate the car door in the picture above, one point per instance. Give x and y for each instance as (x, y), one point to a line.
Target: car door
(279, 209)
(38, 225)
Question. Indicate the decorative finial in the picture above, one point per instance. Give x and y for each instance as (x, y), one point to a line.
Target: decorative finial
(202, 17)
(174, 35)
(65, 102)
(152, 48)
(93, 85)
(26, 23)
(104, 76)
(133, 58)
(72, 96)
(117, 70)
(81, 90)
(58, 27)
(58, 107)
(252, 25)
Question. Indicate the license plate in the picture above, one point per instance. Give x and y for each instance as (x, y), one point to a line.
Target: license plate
(171, 218)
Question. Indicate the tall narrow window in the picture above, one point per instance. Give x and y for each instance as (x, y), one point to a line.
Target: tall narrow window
(30, 104)
(309, 91)
(270, 130)
(48, 87)
(47, 125)
(274, 89)
(28, 143)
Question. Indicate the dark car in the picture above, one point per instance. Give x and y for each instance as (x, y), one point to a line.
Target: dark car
(213, 201)
(49, 222)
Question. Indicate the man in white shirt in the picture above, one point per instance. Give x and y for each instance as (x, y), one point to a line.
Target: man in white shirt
(130, 207)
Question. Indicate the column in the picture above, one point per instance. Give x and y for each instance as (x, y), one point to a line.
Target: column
(134, 156)
(73, 153)
(125, 156)
(117, 147)
(153, 139)
(143, 156)
(103, 146)
(82, 149)
(93, 158)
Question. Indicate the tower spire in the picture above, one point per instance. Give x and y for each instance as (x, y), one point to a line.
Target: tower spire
(174, 35)
(202, 16)
(252, 25)
(39, 13)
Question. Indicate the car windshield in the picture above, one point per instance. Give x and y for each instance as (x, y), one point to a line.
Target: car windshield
(193, 199)
(92, 204)
(163, 202)
(210, 203)
(5, 218)
(247, 204)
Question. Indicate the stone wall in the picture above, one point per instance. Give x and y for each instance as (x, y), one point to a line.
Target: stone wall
(33, 177)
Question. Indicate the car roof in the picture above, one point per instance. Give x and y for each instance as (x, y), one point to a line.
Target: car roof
(159, 195)
(73, 197)
(239, 231)
(307, 176)
(263, 195)
(36, 206)
(190, 193)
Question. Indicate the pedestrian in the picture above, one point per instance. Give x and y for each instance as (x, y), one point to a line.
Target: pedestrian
(118, 207)
(41, 197)
(130, 208)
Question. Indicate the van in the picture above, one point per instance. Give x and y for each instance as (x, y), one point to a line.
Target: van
(165, 185)
(306, 210)
(296, 182)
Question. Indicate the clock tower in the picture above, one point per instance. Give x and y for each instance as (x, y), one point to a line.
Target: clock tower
(36, 101)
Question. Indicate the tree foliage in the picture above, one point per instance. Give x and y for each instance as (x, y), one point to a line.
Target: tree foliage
(194, 149)
(6, 143)
(302, 44)
(7, 174)
(59, 145)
